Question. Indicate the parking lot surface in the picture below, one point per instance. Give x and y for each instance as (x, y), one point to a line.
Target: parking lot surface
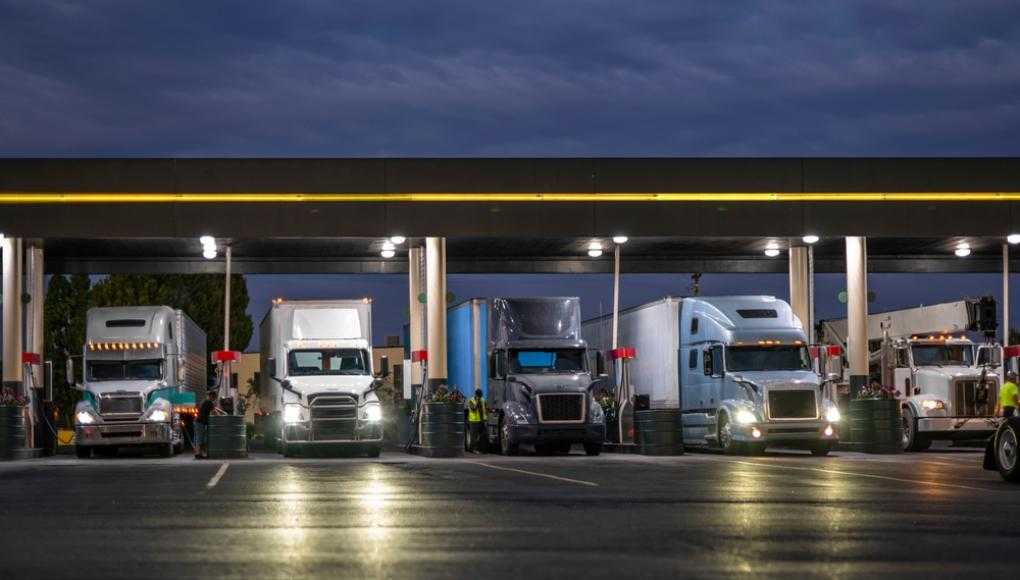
(616, 516)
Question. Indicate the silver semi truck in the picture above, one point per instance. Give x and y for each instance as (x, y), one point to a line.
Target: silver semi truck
(144, 371)
(317, 377)
(737, 367)
(527, 356)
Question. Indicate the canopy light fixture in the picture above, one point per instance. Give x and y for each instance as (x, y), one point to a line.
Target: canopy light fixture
(1011, 238)
(398, 239)
(387, 245)
(595, 249)
(962, 250)
(620, 240)
(810, 239)
(208, 247)
(209, 253)
(207, 240)
(772, 252)
(387, 254)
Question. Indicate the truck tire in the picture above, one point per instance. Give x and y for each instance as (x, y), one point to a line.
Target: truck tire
(1006, 451)
(507, 444)
(912, 440)
(373, 450)
(592, 449)
(821, 448)
(725, 439)
(82, 452)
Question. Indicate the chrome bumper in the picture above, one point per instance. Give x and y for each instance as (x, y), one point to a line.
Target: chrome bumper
(304, 434)
(975, 427)
(786, 431)
(134, 433)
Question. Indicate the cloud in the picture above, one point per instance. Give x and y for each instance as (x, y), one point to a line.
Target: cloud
(481, 78)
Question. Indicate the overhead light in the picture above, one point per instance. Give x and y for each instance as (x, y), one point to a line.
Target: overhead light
(810, 239)
(1011, 238)
(772, 245)
(594, 253)
(772, 252)
(398, 239)
(595, 249)
(209, 253)
(620, 239)
(207, 240)
(388, 253)
(388, 246)
(962, 252)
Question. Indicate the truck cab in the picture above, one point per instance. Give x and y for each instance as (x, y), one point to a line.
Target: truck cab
(948, 384)
(748, 380)
(318, 377)
(143, 368)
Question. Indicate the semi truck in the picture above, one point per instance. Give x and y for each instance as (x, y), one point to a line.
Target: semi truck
(947, 383)
(738, 369)
(528, 358)
(144, 370)
(317, 378)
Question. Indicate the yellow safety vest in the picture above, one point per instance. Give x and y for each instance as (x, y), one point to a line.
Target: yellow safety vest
(476, 410)
(1006, 394)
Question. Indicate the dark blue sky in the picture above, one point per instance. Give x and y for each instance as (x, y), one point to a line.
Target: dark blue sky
(597, 77)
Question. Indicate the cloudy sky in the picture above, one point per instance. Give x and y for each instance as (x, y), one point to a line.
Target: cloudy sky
(470, 78)
(599, 77)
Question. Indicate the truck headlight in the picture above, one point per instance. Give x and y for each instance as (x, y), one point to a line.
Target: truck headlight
(745, 417)
(832, 415)
(292, 413)
(373, 413)
(158, 415)
(932, 405)
(84, 418)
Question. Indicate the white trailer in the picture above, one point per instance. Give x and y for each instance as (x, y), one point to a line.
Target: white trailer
(144, 371)
(948, 384)
(317, 376)
(737, 367)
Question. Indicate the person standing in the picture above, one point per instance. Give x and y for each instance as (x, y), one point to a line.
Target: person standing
(202, 424)
(1009, 395)
(476, 421)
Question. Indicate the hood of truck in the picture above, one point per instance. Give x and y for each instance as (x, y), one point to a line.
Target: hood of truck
(776, 379)
(953, 372)
(143, 387)
(308, 385)
(555, 382)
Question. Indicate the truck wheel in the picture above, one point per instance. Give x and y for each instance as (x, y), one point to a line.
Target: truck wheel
(912, 440)
(592, 449)
(1007, 446)
(821, 449)
(373, 450)
(725, 437)
(82, 452)
(507, 443)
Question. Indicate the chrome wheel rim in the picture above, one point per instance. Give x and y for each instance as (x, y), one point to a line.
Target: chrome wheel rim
(906, 432)
(724, 434)
(1007, 451)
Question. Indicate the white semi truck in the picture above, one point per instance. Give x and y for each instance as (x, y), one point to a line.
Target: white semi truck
(317, 377)
(948, 384)
(145, 369)
(737, 367)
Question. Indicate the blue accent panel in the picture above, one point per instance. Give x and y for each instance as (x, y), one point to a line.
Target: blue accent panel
(535, 358)
(184, 397)
(483, 346)
(91, 398)
(458, 348)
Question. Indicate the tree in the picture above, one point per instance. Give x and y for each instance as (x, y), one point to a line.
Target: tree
(64, 331)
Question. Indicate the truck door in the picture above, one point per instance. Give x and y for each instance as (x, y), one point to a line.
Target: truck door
(902, 373)
(714, 376)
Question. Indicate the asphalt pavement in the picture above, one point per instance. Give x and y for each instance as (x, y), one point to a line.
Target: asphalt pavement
(790, 515)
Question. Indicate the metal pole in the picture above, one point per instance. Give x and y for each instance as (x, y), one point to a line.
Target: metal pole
(12, 313)
(811, 294)
(416, 336)
(230, 391)
(857, 312)
(800, 285)
(616, 296)
(1005, 294)
(435, 278)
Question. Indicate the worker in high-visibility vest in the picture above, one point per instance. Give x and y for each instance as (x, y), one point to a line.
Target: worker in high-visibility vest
(476, 422)
(1009, 397)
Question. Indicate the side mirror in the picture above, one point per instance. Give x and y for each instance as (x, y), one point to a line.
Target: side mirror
(69, 371)
(271, 366)
(499, 366)
(707, 357)
(600, 364)
(384, 367)
(79, 387)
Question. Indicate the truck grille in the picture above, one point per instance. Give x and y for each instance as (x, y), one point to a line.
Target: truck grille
(561, 408)
(334, 417)
(792, 405)
(120, 405)
(972, 398)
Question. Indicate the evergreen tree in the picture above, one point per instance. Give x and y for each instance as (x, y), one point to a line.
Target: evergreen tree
(64, 330)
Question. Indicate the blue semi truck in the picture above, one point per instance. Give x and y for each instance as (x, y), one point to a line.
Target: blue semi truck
(528, 358)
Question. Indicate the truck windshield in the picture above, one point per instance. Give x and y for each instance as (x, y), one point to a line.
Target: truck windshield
(327, 361)
(135, 370)
(767, 358)
(561, 360)
(937, 355)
